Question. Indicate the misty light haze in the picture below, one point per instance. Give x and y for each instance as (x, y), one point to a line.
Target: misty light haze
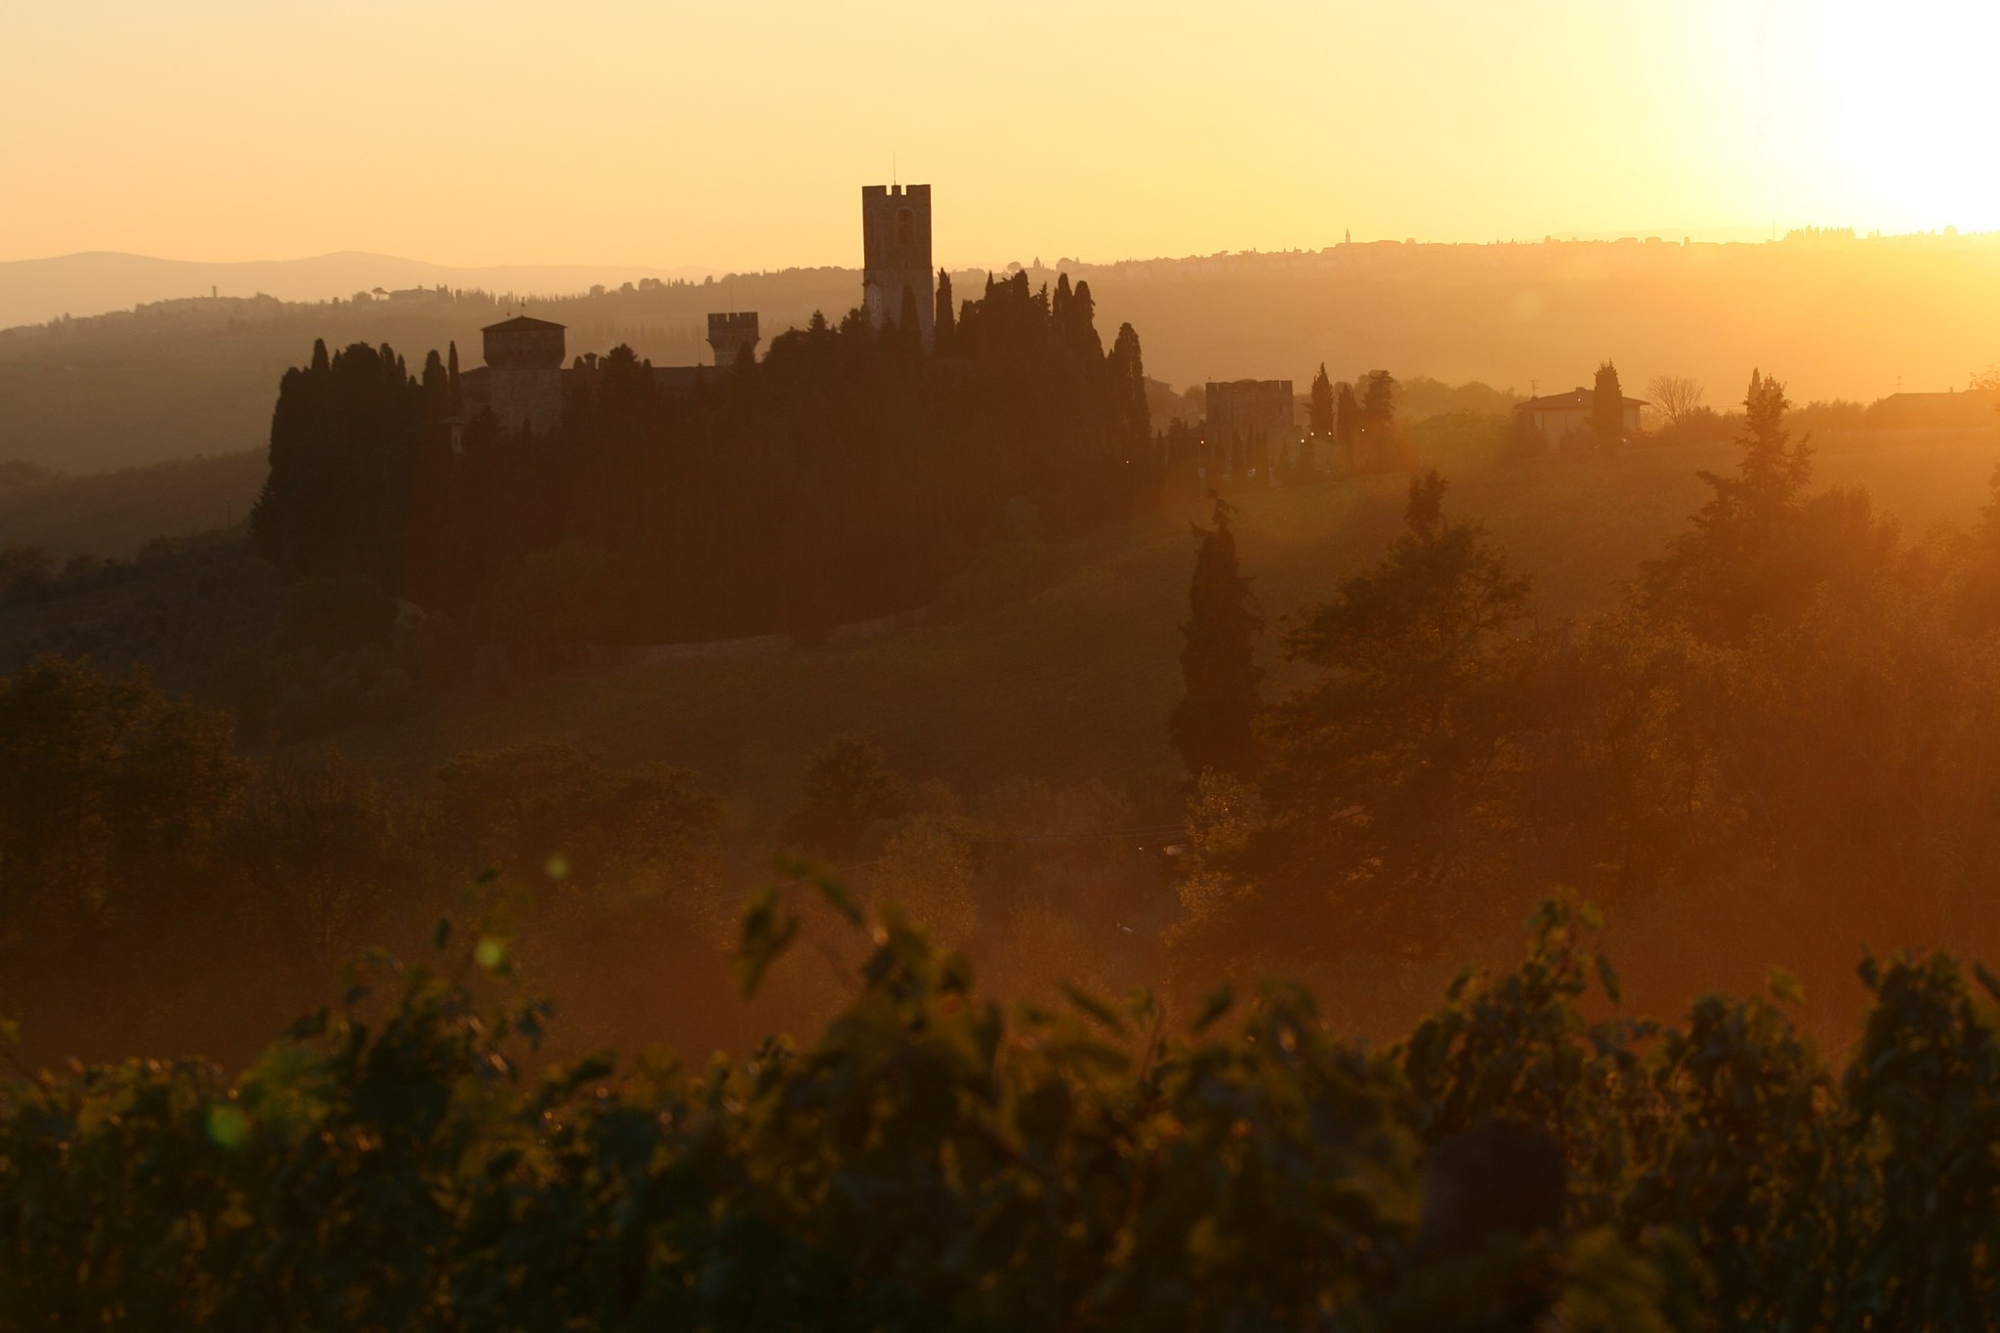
(662, 136)
(886, 667)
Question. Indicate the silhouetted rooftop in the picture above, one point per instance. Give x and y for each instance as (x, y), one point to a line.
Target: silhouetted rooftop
(1574, 398)
(520, 324)
(1952, 396)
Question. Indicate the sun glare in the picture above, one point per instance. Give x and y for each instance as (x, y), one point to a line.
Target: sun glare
(1910, 110)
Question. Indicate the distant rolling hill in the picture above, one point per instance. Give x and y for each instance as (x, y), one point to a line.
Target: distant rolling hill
(35, 290)
(1840, 318)
(199, 376)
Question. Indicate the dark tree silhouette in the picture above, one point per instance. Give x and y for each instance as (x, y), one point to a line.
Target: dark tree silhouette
(1376, 435)
(1212, 726)
(1347, 422)
(1607, 407)
(1382, 771)
(944, 327)
(344, 440)
(1758, 547)
(848, 786)
(908, 336)
(1131, 420)
(1322, 404)
(844, 476)
(1378, 399)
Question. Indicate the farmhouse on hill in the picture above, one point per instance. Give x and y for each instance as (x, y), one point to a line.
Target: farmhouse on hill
(1967, 407)
(1561, 418)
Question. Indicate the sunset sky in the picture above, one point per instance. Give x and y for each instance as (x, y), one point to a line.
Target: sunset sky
(736, 134)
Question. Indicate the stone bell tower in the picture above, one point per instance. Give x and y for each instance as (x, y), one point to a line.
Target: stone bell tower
(896, 253)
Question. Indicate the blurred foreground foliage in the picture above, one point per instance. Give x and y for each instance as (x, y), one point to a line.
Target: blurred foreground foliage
(935, 1161)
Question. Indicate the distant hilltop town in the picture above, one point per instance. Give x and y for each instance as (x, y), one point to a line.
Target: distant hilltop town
(524, 381)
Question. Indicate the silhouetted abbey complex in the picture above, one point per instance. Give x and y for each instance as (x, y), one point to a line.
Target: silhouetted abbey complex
(522, 382)
(896, 254)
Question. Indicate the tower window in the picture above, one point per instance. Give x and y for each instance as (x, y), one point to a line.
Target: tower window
(906, 227)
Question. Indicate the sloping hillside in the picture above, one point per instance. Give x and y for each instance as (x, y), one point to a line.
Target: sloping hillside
(33, 291)
(1073, 680)
(112, 515)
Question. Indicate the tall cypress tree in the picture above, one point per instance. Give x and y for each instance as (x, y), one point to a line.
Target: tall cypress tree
(1322, 404)
(1075, 315)
(1125, 370)
(437, 388)
(344, 433)
(1377, 433)
(1607, 407)
(1347, 422)
(944, 332)
(909, 324)
(1378, 400)
(1211, 727)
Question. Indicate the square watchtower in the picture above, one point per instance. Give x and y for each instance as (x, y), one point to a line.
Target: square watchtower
(896, 254)
(523, 373)
(729, 334)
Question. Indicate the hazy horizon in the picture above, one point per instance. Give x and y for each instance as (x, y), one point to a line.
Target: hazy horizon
(35, 290)
(692, 266)
(218, 131)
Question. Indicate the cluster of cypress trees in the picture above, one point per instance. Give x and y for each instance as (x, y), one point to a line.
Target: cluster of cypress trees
(1363, 424)
(846, 475)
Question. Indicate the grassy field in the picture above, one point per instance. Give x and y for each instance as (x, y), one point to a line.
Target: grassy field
(1073, 681)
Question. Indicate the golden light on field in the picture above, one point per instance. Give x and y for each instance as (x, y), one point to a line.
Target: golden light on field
(736, 135)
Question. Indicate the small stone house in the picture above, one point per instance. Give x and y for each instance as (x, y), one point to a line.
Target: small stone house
(1560, 418)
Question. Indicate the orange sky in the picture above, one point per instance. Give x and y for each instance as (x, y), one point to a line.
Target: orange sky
(736, 134)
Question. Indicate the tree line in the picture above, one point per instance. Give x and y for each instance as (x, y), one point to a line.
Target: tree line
(1794, 705)
(159, 888)
(846, 475)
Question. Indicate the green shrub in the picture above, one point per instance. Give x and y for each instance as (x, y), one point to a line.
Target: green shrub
(932, 1162)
